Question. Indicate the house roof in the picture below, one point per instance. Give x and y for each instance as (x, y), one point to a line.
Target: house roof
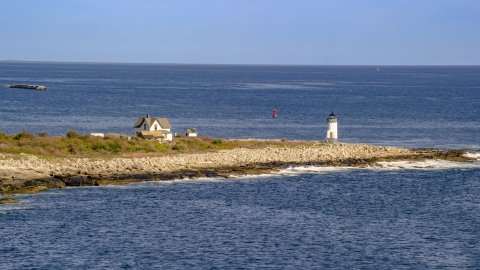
(190, 130)
(162, 121)
(151, 134)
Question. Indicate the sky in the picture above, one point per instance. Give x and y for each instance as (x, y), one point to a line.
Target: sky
(278, 32)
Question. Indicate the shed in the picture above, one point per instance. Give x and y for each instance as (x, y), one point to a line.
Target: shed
(190, 132)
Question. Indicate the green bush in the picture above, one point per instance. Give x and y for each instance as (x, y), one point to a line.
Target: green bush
(73, 134)
(19, 151)
(114, 147)
(23, 135)
(97, 146)
(217, 141)
(179, 146)
(72, 149)
(162, 147)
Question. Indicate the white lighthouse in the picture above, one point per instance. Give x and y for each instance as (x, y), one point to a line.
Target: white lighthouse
(332, 133)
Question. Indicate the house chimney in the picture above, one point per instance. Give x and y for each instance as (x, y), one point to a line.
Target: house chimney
(148, 115)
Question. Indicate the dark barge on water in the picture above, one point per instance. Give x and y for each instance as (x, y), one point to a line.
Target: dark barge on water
(27, 86)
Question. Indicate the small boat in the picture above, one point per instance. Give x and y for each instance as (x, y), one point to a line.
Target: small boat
(27, 86)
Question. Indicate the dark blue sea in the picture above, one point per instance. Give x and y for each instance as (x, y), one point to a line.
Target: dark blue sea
(423, 215)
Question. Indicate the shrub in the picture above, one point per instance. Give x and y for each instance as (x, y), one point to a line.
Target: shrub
(198, 144)
(73, 134)
(19, 151)
(23, 134)
(114, 147)
(217, 141)
(162, 147)
(179, 146)
(97, 146)
(42, 134)
(72, 149)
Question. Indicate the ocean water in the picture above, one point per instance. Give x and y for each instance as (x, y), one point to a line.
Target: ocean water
(397, 105)
(401, 216)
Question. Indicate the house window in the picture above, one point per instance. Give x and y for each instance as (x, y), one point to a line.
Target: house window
(145, 126)
(156, 126)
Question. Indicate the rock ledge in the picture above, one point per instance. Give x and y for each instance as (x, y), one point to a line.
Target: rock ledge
(29, 174)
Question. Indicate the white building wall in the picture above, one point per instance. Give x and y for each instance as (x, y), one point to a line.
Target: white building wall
(332, 132)
(152, 128)
(159, 127)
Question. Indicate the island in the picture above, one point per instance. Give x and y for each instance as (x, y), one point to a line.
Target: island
(92, 161)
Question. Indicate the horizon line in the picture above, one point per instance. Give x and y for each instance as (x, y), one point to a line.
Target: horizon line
(217, 64)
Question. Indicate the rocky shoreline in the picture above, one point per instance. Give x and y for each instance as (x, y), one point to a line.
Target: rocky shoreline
(27, 174)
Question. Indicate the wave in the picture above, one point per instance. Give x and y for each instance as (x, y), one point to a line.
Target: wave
(6, 209)
(429, 164)
(314, 169)
(394, 165)
(472, 155)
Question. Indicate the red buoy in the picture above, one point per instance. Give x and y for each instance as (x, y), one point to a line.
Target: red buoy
(274, 113)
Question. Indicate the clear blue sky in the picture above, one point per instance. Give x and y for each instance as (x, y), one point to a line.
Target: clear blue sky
(330, 32)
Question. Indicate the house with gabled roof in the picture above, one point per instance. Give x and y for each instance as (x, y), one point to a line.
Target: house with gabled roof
(153, 124)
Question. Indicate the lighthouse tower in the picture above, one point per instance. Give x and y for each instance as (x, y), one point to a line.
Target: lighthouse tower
(332, 133)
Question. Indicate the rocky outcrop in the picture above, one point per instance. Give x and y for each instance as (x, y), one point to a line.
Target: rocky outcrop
(8, 200)
(30, 174)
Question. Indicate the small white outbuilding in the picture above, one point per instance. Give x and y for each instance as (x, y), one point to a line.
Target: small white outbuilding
(190, 132)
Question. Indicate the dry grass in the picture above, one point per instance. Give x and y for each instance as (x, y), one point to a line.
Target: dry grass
(76, 145)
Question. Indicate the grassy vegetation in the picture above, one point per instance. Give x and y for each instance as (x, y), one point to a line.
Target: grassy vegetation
(74, 144)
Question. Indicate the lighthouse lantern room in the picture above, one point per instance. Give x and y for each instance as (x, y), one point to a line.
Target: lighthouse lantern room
(332, 133)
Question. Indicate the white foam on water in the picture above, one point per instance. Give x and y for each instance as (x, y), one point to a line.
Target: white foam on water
(251, 176)
(395, 165)
(429, 164)
(7, 208)
(472, 155)
(313, 169)
(200, 179)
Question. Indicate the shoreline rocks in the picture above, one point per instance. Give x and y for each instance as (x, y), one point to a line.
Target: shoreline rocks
(8, 200)
(29, 174)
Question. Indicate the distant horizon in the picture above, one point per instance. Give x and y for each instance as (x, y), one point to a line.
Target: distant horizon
(220, 64)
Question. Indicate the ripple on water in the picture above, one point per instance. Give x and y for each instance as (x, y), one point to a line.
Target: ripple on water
(359, 218)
